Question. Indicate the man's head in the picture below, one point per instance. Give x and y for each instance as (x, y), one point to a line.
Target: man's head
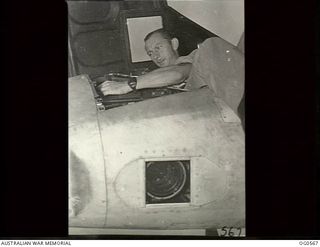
(162, 47)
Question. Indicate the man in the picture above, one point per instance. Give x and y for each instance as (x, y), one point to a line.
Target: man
(216, 64)
(163, 51)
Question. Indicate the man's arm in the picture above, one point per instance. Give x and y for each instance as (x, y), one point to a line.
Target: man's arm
(158, 78)
(165, 76)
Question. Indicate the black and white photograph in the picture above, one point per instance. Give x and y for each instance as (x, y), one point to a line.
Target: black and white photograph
(156, 117)
(160, 120)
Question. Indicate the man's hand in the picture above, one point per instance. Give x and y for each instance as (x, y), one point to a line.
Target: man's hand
(114, 87)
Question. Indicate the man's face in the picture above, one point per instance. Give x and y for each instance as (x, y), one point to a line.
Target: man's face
(160, 50)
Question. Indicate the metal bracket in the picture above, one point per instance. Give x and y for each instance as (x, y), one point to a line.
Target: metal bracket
(97, 98)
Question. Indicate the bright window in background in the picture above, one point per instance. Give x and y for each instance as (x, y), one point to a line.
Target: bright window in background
(138, 28)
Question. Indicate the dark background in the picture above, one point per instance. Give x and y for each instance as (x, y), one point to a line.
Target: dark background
(282, 114)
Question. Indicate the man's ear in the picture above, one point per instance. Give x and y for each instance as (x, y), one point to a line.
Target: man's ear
(175, 44)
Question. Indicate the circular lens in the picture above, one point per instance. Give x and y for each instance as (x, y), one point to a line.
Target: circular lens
(165, 179)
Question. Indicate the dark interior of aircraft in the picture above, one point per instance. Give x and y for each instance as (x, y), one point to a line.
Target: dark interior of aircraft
(100, 43)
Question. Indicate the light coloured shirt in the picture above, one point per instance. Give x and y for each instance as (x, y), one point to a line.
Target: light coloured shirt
(219, 65)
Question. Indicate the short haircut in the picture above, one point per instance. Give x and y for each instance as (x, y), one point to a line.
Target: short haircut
(164, 33)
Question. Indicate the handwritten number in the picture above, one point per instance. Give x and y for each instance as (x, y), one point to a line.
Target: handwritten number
(231, 231)
(225, 231)
(239, 231)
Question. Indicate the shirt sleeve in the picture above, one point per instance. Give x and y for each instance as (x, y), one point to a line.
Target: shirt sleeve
(186, 59)
(220, 65)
